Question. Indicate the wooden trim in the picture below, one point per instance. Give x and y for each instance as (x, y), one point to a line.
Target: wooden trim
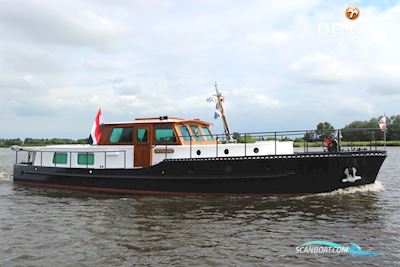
(194, 141)
(158, 118)
(107, 130)
(106, 133)
(156, 121)
(173, 126)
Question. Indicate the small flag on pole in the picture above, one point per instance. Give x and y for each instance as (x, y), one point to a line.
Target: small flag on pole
(95, 134)
(382, 123)
(218, 112)
(214, 99)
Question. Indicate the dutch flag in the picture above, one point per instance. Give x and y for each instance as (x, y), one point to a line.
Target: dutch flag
(95, 134)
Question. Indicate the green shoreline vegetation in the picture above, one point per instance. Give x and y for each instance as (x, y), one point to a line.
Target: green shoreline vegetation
(40, 141)
(351, 144)
(359, 136)
(5, 143)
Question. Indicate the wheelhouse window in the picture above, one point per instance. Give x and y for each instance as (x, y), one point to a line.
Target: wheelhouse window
(121, 135)
(196, 132)
(165, 135)
(85, 159)
(208, 134)
(184, 132)
(60, 158)
(142, 135)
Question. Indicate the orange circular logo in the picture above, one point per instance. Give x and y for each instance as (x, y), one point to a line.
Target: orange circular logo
(352, 12)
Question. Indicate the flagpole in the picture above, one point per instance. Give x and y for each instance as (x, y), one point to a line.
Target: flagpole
(384, 133)
(384, 137)
(226, 128)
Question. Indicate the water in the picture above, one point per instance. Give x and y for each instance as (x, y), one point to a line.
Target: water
(43, 227)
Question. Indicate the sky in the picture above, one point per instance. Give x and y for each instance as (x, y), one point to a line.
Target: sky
(281, 65)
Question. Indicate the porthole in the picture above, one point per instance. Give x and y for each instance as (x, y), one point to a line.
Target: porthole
(226, 151)
(256, 150)
(198, 152)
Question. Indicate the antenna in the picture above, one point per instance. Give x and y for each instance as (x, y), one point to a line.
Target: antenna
(219, 98)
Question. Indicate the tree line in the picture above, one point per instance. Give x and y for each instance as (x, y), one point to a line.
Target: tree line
(40, 141)
(392, 132)
(322, 129)
(354, 131)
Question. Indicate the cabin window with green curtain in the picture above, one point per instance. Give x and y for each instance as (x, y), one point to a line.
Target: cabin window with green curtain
(197, 134)
(208, 134)
(121, 135)
(184, 132)
(60, 158)
(85, 159)
(165, 135)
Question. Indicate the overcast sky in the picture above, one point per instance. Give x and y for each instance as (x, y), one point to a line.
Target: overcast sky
(282, 65)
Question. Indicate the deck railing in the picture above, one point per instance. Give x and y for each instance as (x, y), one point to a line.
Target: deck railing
(346, 140)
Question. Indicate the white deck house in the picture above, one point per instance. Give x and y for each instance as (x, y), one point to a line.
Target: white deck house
(147, 142)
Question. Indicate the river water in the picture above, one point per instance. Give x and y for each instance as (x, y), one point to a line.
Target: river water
(47, 227)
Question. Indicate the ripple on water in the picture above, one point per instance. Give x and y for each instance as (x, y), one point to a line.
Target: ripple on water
(41, 227)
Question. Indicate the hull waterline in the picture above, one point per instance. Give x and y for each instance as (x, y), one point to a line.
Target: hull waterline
(280, 174)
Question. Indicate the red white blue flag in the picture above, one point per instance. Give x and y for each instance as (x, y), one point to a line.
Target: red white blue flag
(95, 134)
(218, 108)
(382, 123)
(218, 111)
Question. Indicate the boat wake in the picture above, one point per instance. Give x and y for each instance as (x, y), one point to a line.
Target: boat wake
(375, 187)
(5, 176)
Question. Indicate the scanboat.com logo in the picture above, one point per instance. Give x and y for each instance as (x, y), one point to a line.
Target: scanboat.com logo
(326, 247)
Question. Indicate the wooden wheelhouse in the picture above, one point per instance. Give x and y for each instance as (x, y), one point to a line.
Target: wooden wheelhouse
(144, 134)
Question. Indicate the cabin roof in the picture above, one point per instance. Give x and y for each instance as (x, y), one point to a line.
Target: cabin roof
(159, 120)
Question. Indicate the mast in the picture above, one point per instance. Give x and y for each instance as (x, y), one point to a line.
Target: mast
(226, 128)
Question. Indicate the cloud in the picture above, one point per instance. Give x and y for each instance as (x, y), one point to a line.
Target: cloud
(351, 106)
(274, 37)
(61, 23)
(62, 60)
(256, 98)
(31, 61)
(104, 65)
(319, 67)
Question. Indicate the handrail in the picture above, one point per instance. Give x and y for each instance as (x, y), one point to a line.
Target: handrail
(304, 136)
(275, 134)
